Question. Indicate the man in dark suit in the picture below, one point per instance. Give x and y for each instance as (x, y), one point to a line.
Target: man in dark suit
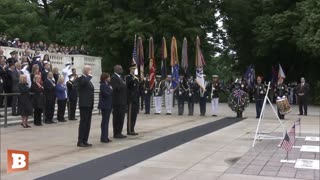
(49, 92)
(133, 100)
(119, 102)
(72, 94)
(86, 98)
(302, 92)
(3, 76)
(14, 76)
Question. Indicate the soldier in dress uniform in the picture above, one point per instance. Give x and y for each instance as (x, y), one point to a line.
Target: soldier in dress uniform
(203, 97)
(133, 100)
(281, 91)
(72, 94)
(157, 94)
(147, 92)
(214, 88)
(168, 95)
(181, 94)
(259, 91)
(190, 93)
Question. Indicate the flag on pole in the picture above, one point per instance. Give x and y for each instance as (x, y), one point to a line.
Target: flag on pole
(199, 62)
(164, 56)
(152, 63)
(298, 122)
(250, 76)
(140, 57)
(184, 55)
(174, 63)
(292, 133)
(281, 72)
(274, 76)
(286, 143)
(134, 54)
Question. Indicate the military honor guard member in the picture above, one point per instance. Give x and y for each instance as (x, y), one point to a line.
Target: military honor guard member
(214, 88)
(72, 95)
(157, 94)
(281, 91)
(133, 100)
(181, 94)
(302, 93)
(147, 93)
(190, 93)
(169, 95)
(203, 98)
(259, 91)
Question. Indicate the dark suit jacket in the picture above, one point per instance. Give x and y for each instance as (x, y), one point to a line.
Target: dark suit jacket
(38, 96)
(303, 89)
(49, 90)
(105, 96)
(85, 91)
(14, 80)
(119, 94)
(72, 90)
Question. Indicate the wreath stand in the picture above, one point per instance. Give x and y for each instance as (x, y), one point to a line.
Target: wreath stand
(259, 135)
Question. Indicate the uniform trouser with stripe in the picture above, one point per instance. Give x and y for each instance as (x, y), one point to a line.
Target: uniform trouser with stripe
(191, 105)
(133, 110)
(169, 101)
(202, 103)
(214, 105)
(157, 103)
(180, 105)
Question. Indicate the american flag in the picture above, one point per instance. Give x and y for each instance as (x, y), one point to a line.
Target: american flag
(286, 143)
(298, 122)
(292, 132)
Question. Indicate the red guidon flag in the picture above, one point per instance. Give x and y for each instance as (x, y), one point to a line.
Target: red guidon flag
(152, 63)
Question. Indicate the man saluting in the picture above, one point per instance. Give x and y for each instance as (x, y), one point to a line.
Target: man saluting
(86, 98)
(133, 100)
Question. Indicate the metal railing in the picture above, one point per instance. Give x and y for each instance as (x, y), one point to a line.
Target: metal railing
(5, 102)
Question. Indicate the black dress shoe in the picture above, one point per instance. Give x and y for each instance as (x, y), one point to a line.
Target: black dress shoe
(47, 122)
(87, 144)
(214, 115)
(134, 134)
(38, 124)
(73, 119)
(120, 136)
(105, 141)
(81, 145)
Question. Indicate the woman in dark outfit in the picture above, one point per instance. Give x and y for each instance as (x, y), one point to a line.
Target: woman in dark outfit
(38, 99)
(24, 101)
(105, 105)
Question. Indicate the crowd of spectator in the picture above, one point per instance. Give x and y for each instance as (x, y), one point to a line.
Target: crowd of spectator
(35, 79)
(42, 46)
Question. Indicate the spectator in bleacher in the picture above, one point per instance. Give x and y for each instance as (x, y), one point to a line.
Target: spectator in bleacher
(25, 71)
(45, 71)
(46, 59)
(56, 74)
(38, 100)
(37, 60)
(14, 76)
(1, 53)
(27, 54)
(61, 94)
(50, 97)
(14, 57)
(51, 49)
(3, 76)
(25, 104)
(35, 71)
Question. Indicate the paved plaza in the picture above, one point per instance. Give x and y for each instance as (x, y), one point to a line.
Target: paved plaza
(224, 154)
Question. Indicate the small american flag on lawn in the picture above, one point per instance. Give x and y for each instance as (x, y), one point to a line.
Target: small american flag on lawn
(286, 143)
(298, 122)
(292, 133)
